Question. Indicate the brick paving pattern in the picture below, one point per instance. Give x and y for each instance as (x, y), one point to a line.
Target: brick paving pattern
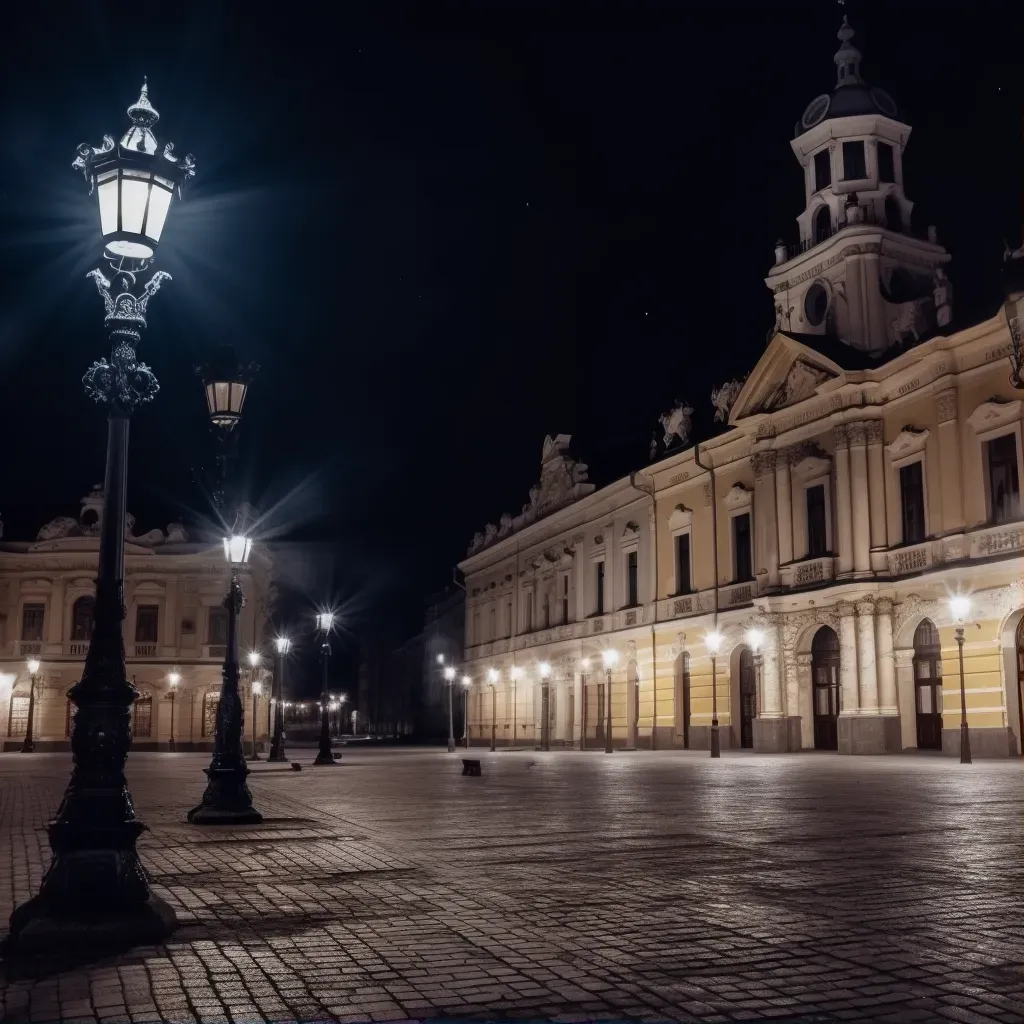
(565, 886)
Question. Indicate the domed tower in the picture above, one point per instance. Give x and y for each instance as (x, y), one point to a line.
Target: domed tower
(859, 273)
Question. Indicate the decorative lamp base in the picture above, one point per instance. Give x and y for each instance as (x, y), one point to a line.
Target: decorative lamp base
(227, 800)
(326, 758)
(282, 757)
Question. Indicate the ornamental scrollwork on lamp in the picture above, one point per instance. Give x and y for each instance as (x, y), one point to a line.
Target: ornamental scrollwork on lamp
(122, 382)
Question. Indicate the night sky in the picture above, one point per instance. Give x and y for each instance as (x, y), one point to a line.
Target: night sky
(445, 231)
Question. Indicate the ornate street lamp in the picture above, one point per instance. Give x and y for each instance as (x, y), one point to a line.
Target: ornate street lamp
(466, 684)
(96, 887)
(713, 642)
(325, 623)
(545, 699)
(227, 800)
(173, 678)
(28, 745)
(584, 669)
(283, 645)
(610, 657)
(449, 676)
(960, 608)
(254, 662)
(492, 681)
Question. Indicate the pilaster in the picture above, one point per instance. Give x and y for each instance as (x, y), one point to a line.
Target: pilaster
(876, 483)
(866, 658)
(850, 696)
(766, 547)
(951, 471)
(844, 522)
(784, 508)
(859, 497)
(887, 699)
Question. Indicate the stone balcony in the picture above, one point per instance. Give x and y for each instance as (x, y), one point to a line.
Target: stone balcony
(809, 572)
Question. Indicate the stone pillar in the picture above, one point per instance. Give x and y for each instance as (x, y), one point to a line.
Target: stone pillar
(766, 539)
(772, 728)
(843, 520)
(888, 703)
(848, 661)
(55, 634)
(171, 625)
(876, 483)
(784, 507)
(632, 701)
(577, 707)
(951, 474)
(859, 497)
(563, 712)
(904, 663)
(866, 659)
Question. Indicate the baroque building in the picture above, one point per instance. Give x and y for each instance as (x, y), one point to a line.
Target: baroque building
(870, 468)
(175, 623)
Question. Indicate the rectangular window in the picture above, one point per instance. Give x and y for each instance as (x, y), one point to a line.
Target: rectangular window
(218, 627)
(599, 602)
(146, 620)
(1003, 480)
(529, 612)
(565, 600)
(912, 502)
(32, 617)
(822, 170)
(683, 563)
(854, 168)
(886, 165)
(508, 619)
(632, 581)
(741, 547)
(817, 537)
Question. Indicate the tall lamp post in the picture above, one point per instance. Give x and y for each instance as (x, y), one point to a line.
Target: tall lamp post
(257, 688)
(466, 684)
(449, 677)
(173, 678)
(713, 642)
(515, 674)
(227, 799)
(282, 645)
(584, 669)
(28, 744)
(545, 700)
(492, 681)
(324, 623)
(96, 886)
(610, 657)
(960, 606)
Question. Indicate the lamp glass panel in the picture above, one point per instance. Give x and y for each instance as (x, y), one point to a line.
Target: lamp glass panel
(107, 191)
(134, 194)
(222, 397)
(237, 396)
(211, 403)
(159, 204)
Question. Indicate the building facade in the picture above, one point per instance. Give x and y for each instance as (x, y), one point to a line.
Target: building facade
(870, 468)
(175, 623)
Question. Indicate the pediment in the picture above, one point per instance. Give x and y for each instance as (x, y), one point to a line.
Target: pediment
(787, 373)
(909, 441)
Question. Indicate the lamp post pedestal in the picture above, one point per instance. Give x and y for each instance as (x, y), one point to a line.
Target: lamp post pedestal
(227, 800)
(324, 754)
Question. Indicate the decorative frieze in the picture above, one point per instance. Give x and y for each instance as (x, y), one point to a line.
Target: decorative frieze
(763, 463)
(857, 434)
(876, 431)
(839, 437)
(945, 405)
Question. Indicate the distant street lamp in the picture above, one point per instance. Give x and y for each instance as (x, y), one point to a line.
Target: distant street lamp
(713, 642)
(227, 799)
(584, 669)
(325, 623)
(449, 675)
(492, 681)
(960, 606)
(28, 744)
(173, 678)
(545, 702)
(466, 684)
(610, 657)
(254, 661)
(515, 675)
(96, 887)
(282, 645)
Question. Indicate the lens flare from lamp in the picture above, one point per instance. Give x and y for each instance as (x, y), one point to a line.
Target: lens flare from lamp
(610, 657)
(257, 688)
(33, 666)
(237, 548)
(254, 658)
(960, 606)
(173, 678)
(585, 664)
(713, 642)
(755, 637)
(449, 672)
(440, 659)
(492, 676)
(545, 669)
(283, 645)
(325, 621)
(466, 681)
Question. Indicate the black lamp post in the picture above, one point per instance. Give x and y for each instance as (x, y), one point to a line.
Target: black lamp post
(610, 658)
(960, 606)
(227, 800)
(714, 643)
(96, 888)
(173, 679)
(492, 680)
(545, 705)
(283, 646)
(466, 684)
(324, 623)
(254, 684)
(28, 745)
(449, 678)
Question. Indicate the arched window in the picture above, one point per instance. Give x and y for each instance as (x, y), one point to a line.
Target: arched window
(822, 224)
(82, 618)
(928, 685)
(893, 214)
(825, 688)
(210, 702)
(142, 717)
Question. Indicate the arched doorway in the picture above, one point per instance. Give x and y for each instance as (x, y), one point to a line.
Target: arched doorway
(1020, 680)
(928, 686)
(210, 702)
(748, 697)
(142, 717)
(822, 224)
(825, 684)
(682, 699)
(893, 215)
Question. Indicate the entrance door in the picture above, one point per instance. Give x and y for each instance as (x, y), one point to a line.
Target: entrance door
(825, 685)
(928, 686)
(748, 698)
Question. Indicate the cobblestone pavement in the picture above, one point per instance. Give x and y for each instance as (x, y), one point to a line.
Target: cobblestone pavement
(567, 885)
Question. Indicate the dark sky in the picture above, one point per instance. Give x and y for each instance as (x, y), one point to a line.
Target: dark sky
(445, 231)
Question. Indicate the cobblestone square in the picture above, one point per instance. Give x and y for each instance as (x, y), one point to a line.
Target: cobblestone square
(565, 885)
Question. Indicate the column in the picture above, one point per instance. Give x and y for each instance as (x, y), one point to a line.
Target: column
(848, 660)
(866, 662)
(577, 707)
(171, 625)
(766, 547)
(857, 435)
(56, 624)
(563, 711)
(784, 506)
(876, 483)
(843, 522)
(887, 700)
(951, 473)
(771, 668)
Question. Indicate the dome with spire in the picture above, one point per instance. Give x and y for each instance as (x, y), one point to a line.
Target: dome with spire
(852, 95)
